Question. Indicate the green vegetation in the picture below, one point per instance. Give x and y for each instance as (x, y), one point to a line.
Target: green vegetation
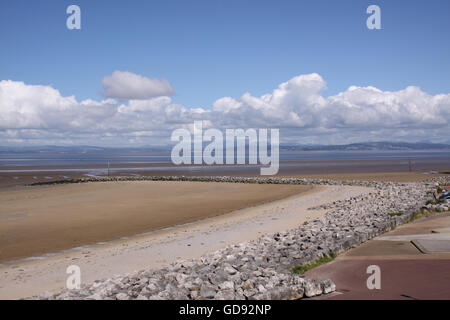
(305, 267)
(434, 201)
(396, 214)
(423, 214)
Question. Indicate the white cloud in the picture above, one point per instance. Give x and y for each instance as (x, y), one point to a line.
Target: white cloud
(371, 108)
(39, 114)
(43, 108)
(126, 86)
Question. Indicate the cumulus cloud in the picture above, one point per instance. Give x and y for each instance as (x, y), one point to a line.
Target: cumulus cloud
(357, 114)
(43, 108)
(295, 103)
(297, 107)
(127, 85)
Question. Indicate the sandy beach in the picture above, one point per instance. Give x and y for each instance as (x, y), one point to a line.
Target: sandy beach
(112, 228)
(39, 220)
(150, 250)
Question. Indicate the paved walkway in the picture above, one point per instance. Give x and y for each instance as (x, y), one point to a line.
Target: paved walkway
(414, 263)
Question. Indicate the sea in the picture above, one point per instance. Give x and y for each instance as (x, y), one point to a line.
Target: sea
(102, 158)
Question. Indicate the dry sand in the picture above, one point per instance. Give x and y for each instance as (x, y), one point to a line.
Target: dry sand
(414, 176)
(27, 277)
(38, 220)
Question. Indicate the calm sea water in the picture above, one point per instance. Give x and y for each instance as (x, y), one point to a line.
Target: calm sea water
(70, 159)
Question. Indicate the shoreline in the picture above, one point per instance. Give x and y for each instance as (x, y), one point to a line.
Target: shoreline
(380, 169)
(162, 247)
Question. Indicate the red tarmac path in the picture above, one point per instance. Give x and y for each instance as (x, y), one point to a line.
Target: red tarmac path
(406, 273)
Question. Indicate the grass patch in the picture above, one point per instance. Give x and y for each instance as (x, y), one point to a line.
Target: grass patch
(439, 189)
(305, 267)
(396, 214)
(424, 214)
(434, 201)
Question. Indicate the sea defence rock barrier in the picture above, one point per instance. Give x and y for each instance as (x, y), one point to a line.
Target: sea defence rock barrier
(261, 269)
(225, 179)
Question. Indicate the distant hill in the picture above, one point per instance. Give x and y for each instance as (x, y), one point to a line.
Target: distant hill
(76, 149)
(369, 146)
(347, 147)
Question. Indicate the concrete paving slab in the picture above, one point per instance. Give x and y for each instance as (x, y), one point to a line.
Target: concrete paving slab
(431, 246)
(400, 280)
(410, 237)
(377, 249)
(441, 230)
(406, 273)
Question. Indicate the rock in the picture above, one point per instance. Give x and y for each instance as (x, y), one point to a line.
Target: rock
(225, 295)
(312, 288)
(250, 292)
(122, 296)
(327, 286)
(151, 287)
(227, 285)
(280, 293)
(230, 269)
(194, 294)
(207, 292)
(181, 278)
(249, 284)
(297, 292)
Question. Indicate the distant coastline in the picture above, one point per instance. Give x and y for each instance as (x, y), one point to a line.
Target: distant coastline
(363, 146)
(26, 165)
(134, 158)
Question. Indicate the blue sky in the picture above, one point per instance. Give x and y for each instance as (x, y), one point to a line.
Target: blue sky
(215, 48)
(223, 48)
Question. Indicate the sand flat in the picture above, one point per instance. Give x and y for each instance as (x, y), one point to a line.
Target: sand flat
(381, 170)
(38, 220)
(26, 277)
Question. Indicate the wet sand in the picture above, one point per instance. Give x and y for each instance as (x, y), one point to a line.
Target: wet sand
(380, 169)
(38, 220)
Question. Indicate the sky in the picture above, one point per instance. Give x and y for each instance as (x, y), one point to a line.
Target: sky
(136, 70)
